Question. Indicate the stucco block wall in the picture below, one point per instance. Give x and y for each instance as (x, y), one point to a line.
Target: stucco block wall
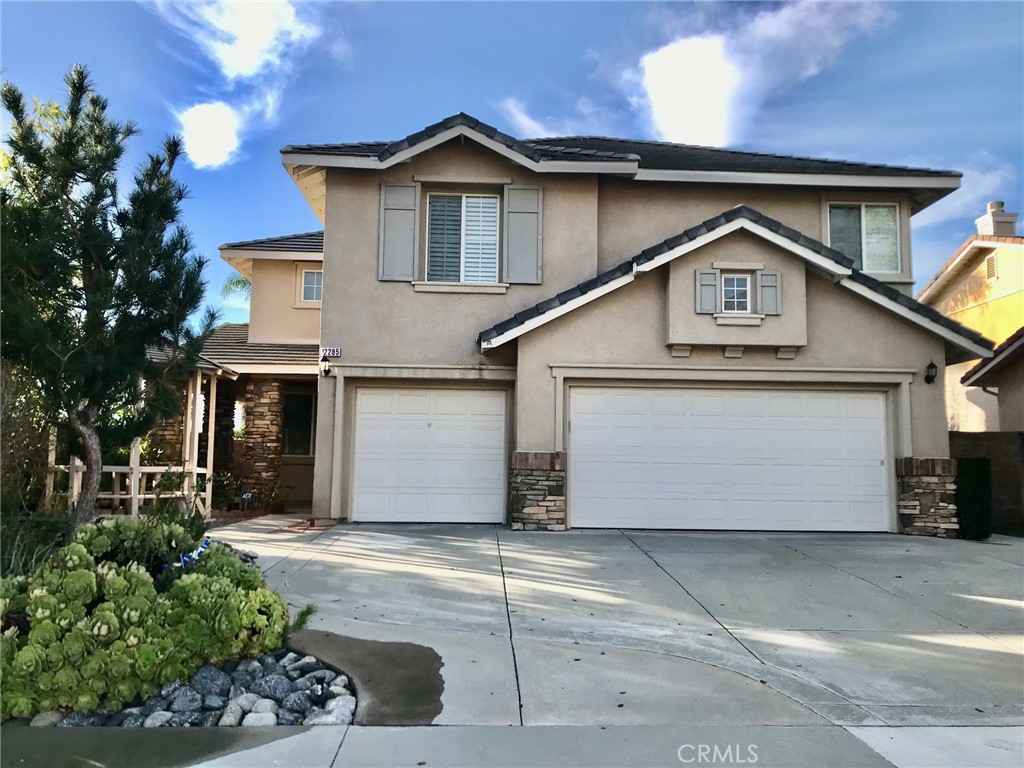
(626, 327)
(1010, 383)
(274, 316)
(969, 409)
(1006, 452)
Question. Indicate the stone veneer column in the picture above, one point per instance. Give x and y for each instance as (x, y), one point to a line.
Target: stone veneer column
(926, 503)
(537, 491)
(167, 436)
(224, 427)
(262, 447)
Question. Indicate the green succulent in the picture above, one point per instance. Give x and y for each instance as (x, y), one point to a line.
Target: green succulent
(75, 556)
(44, 634)
(42, 605)
(79, 586)
(104, 626)
(30, 661)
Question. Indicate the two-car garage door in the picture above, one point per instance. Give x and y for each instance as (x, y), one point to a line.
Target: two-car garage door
(727, 459)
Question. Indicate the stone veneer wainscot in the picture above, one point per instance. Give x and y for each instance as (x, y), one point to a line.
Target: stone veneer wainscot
(537, 491)
(927, 497)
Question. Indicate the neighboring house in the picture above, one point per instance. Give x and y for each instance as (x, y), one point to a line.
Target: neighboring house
(590, 332)
(1003, 373)
(982, 287)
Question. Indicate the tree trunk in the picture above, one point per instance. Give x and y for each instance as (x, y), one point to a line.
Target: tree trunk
(90, 438)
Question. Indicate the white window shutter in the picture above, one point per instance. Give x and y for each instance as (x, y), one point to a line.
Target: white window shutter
(480, 239)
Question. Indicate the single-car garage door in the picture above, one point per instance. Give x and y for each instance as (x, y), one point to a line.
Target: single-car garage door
(429, 455)
(731, 459)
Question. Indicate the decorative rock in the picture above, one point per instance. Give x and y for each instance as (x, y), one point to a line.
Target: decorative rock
(210, 680)
(212, 702)
(246, 701)
(134, 721)
(186, 700)
(132, 710)
(297, 702)
(155, 704)
(241, 679)
(210, 719)
(115, 720)
(73, 720)
(232, 715)
(47, 719)
(157, 720)
(346, 703)
(270, 665)
(292, 675)
(317, 716)
(304, 660)
(305, 667)
(286, 717)
(322, 676)
(288, 659)
(186, 719)
(302, 684)
(319, 694)
(235, 692)
(260, 718)
(341, 681)
(171, 688)
(265, 705)
(229, 667)
(275, 687)
(250, 666)
(95, 721)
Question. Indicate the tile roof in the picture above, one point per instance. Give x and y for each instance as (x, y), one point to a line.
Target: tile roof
(229, 345)
(1009, 350)
(744, 212)
(304, 241)
(649, 154)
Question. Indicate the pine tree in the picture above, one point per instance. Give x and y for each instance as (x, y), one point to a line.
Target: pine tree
(97, 290)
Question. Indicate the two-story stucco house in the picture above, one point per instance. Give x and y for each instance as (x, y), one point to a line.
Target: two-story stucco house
(588, 332)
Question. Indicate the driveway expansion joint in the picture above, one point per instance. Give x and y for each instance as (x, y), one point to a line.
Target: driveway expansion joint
(508, 616)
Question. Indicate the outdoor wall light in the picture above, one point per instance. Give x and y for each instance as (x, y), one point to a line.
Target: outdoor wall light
(930, 372)
(325, 366)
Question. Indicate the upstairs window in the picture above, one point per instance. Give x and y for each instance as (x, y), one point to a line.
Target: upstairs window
(462, 238)
(312, 285)
(736, 293)
(868, 233)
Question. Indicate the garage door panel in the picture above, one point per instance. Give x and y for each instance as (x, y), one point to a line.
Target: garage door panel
(429, 455)
(727, 459)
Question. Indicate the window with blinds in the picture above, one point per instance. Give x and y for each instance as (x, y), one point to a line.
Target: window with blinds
(868, 233)
(462, 238)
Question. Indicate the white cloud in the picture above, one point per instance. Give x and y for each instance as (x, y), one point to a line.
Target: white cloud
(685, 107)
(211, 133)
(589, 118)
(708, 86)
(985, 179)
(255, 46)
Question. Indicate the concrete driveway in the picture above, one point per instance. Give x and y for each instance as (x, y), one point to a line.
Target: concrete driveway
(858, 634)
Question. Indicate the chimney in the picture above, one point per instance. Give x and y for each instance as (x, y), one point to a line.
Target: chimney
(997, 221)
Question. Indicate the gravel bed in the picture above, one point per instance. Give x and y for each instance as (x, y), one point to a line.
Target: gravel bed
(280, 688)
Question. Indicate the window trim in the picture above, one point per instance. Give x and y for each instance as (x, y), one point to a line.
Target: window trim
(745, 276)
(298, 302)
(302, 285)
(462, 195)
(862, 205)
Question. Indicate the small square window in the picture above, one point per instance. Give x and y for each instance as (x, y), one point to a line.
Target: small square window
(736, 293)
(312, 285)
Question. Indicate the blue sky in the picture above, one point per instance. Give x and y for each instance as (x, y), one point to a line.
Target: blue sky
(933, 84)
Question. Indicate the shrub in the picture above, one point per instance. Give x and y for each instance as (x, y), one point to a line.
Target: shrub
(109, 618)
(974, 498)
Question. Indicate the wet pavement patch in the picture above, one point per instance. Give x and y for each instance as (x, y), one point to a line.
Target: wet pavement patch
(25, 747)
(395, 683)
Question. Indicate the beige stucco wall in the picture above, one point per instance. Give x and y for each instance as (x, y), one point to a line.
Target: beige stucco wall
(636, 215)
(1010, 381)
(787, 329)
(389, 322)
(969, 409)
(625, 327)
(275, 315)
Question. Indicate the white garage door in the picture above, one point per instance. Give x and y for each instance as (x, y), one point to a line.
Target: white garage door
(429, 455)
(727, 459)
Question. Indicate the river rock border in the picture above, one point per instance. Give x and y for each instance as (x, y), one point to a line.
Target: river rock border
(280, 688)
